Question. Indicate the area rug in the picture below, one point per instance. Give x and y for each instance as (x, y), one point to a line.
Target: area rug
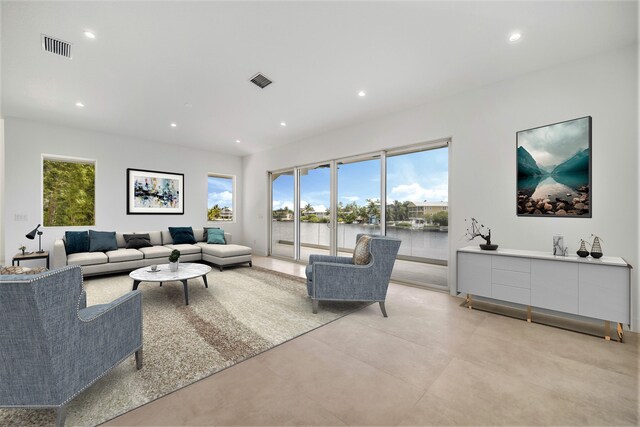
(244, 312)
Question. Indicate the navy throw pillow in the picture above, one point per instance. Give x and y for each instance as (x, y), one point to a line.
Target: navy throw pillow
(102, 241)
(76, 242)
(182, 235)
(137, 241)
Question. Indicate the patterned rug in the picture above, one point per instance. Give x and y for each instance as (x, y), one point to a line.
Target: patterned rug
(244, 312)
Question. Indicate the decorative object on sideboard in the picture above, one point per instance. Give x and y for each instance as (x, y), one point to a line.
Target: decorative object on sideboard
(32, 235)
(22, 248)
(478, 231)
(583, 252)
(174, 260)
(154, 192)
(558, 246)
(596, 249)
(554, 170)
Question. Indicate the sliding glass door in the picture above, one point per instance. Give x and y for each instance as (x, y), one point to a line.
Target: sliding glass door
(358, 206)
(418, 214)
(315, 210)
(282, 214)
(402, 193)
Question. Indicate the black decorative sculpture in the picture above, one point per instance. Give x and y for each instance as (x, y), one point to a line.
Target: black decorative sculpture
(478, 231)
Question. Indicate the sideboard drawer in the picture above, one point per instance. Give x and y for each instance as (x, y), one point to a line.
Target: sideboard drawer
(511, 294)
(511, 278)
(511, 263)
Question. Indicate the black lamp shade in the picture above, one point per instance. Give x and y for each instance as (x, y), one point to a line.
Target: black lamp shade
(32, 233)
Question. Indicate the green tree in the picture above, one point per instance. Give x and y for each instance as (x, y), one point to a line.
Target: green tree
(214, 213)
(441, 218)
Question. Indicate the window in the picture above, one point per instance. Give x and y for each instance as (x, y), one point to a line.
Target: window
(68, 192)
(221, 189)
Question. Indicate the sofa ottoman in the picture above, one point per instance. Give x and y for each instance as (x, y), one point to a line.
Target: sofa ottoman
(225, 255)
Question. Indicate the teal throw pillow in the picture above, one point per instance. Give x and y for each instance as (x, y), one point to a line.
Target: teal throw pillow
(102, 241)
(76, 242)
(216, 236)
(182, 235)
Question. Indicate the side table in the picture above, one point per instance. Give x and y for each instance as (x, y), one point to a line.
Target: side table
(27, 257)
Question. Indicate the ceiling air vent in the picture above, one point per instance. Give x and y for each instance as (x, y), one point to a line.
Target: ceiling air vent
(55, 46)
(260, 80)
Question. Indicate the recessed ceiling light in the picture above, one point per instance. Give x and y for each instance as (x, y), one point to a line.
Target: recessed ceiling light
(79, 104)
(173, 125)
(237, 141)
(188, 105)
(89, 35)
(362, 93)
(283, 124)
(514, 37)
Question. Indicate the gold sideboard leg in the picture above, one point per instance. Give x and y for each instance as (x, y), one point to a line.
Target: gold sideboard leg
(469, 301)
(607, 330)
(620, 333)
(529, 314)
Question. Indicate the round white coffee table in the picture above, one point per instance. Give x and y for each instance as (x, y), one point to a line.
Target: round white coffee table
(163, 274)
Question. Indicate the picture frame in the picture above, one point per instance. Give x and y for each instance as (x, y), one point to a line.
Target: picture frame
(554, 170)
(154, 192)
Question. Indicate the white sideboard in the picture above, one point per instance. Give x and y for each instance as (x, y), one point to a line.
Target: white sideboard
(595, 288)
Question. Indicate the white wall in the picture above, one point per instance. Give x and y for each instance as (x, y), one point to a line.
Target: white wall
(25, 141)
(482, 124)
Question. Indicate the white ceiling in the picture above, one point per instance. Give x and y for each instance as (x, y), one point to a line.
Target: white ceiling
(150, 58)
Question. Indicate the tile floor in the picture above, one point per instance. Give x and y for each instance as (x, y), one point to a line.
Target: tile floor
(431, 362)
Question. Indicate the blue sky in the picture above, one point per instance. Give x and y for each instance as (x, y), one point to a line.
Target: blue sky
(220, 192)
(416, 177)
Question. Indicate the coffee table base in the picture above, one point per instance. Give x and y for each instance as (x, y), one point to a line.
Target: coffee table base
(136, 283)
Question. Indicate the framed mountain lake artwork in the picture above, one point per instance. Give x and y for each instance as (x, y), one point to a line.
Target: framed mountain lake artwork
(554, 170)
(154, 192)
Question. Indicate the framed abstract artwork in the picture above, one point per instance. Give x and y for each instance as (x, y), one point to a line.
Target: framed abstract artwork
(554, 170)
(154, 192)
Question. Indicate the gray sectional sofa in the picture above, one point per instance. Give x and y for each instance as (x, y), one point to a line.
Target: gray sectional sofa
(123, 259)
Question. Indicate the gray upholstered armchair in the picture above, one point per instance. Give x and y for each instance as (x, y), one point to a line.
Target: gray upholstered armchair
(52, 346)
(338, 279)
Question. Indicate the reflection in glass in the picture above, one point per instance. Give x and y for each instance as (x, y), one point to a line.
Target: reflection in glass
(282, 218)
(315, 205)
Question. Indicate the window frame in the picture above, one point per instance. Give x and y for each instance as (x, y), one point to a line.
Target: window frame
(69, 159)
(234, 209)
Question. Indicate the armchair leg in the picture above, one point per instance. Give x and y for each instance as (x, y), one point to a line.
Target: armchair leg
(384, 312)
(315, 306)
(139, 359)
(61, 415)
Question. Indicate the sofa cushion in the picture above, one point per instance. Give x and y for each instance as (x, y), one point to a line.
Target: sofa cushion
(120, 240)
(88, 258)
(182, 235)
(361, 254)
(166, 238)
(199, 234)
(120, 255)
(156, 252)
(102, 241)
(185, 249)
(224, 251)
(76, 242)
(216, 236)
(137, 241)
